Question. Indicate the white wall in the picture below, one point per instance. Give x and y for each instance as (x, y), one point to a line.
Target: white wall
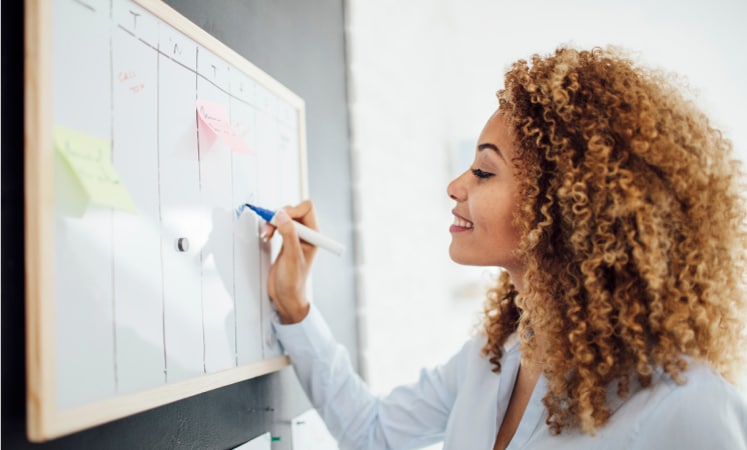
(423, 74)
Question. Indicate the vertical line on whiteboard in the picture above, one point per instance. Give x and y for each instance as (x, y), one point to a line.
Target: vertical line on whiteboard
(160, 213)
(233, 256)
(199, 178)
(264, 295)
(112, 212)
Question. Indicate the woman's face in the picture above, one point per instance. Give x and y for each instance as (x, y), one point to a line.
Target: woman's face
(482, 233)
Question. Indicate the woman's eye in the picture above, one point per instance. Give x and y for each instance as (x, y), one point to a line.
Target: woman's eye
(481, 173)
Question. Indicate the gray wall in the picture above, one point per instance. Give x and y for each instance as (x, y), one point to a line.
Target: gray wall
(302, 45)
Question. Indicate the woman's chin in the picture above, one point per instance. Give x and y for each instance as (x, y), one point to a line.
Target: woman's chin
(459, 257)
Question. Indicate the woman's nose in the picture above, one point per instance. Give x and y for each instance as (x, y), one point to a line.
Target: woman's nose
(455, 189)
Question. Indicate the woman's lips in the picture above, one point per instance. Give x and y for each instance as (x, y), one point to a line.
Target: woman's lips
(460, 224)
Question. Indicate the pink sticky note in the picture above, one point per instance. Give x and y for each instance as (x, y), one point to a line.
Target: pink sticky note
(213, 116)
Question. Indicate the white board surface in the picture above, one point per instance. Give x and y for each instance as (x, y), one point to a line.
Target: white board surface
(144, 304)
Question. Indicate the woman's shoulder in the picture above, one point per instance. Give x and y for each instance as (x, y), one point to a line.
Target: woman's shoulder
(703, 383)
(705, 411)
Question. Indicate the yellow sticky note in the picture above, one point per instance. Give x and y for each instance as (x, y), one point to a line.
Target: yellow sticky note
(89, 157)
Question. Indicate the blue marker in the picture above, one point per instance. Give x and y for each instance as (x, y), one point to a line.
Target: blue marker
(307, 234)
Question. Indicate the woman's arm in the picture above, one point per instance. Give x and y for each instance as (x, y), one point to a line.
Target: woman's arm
(410, 416)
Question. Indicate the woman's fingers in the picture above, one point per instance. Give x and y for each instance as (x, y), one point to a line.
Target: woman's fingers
(284, 226)
(289, 272)
(303, 213)
(266, 232)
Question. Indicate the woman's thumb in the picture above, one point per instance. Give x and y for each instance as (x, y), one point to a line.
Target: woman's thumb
(287, 230)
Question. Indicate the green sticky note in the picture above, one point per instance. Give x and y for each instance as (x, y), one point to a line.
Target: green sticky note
(89, 157)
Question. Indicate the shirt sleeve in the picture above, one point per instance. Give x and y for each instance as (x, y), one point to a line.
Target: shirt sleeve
(705, 412)
(410, 416)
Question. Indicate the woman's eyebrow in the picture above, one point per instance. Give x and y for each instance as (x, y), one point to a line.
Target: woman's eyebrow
(492, 147)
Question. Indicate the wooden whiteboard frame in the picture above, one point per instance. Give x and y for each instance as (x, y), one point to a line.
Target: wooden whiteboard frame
(44, 420)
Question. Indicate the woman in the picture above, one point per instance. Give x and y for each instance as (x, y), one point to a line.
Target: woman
(614, 208)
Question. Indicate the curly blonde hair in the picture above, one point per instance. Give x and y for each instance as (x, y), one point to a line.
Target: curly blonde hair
(633, 232)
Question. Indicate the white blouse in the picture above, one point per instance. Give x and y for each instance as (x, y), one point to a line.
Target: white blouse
(462, 403)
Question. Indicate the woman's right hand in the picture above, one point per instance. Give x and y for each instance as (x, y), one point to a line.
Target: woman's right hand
(286, 283)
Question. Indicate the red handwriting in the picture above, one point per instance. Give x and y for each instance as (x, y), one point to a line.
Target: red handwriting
(124, 76)
(130, 77)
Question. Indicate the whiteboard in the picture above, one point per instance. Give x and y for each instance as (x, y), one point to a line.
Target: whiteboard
(144, 134)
